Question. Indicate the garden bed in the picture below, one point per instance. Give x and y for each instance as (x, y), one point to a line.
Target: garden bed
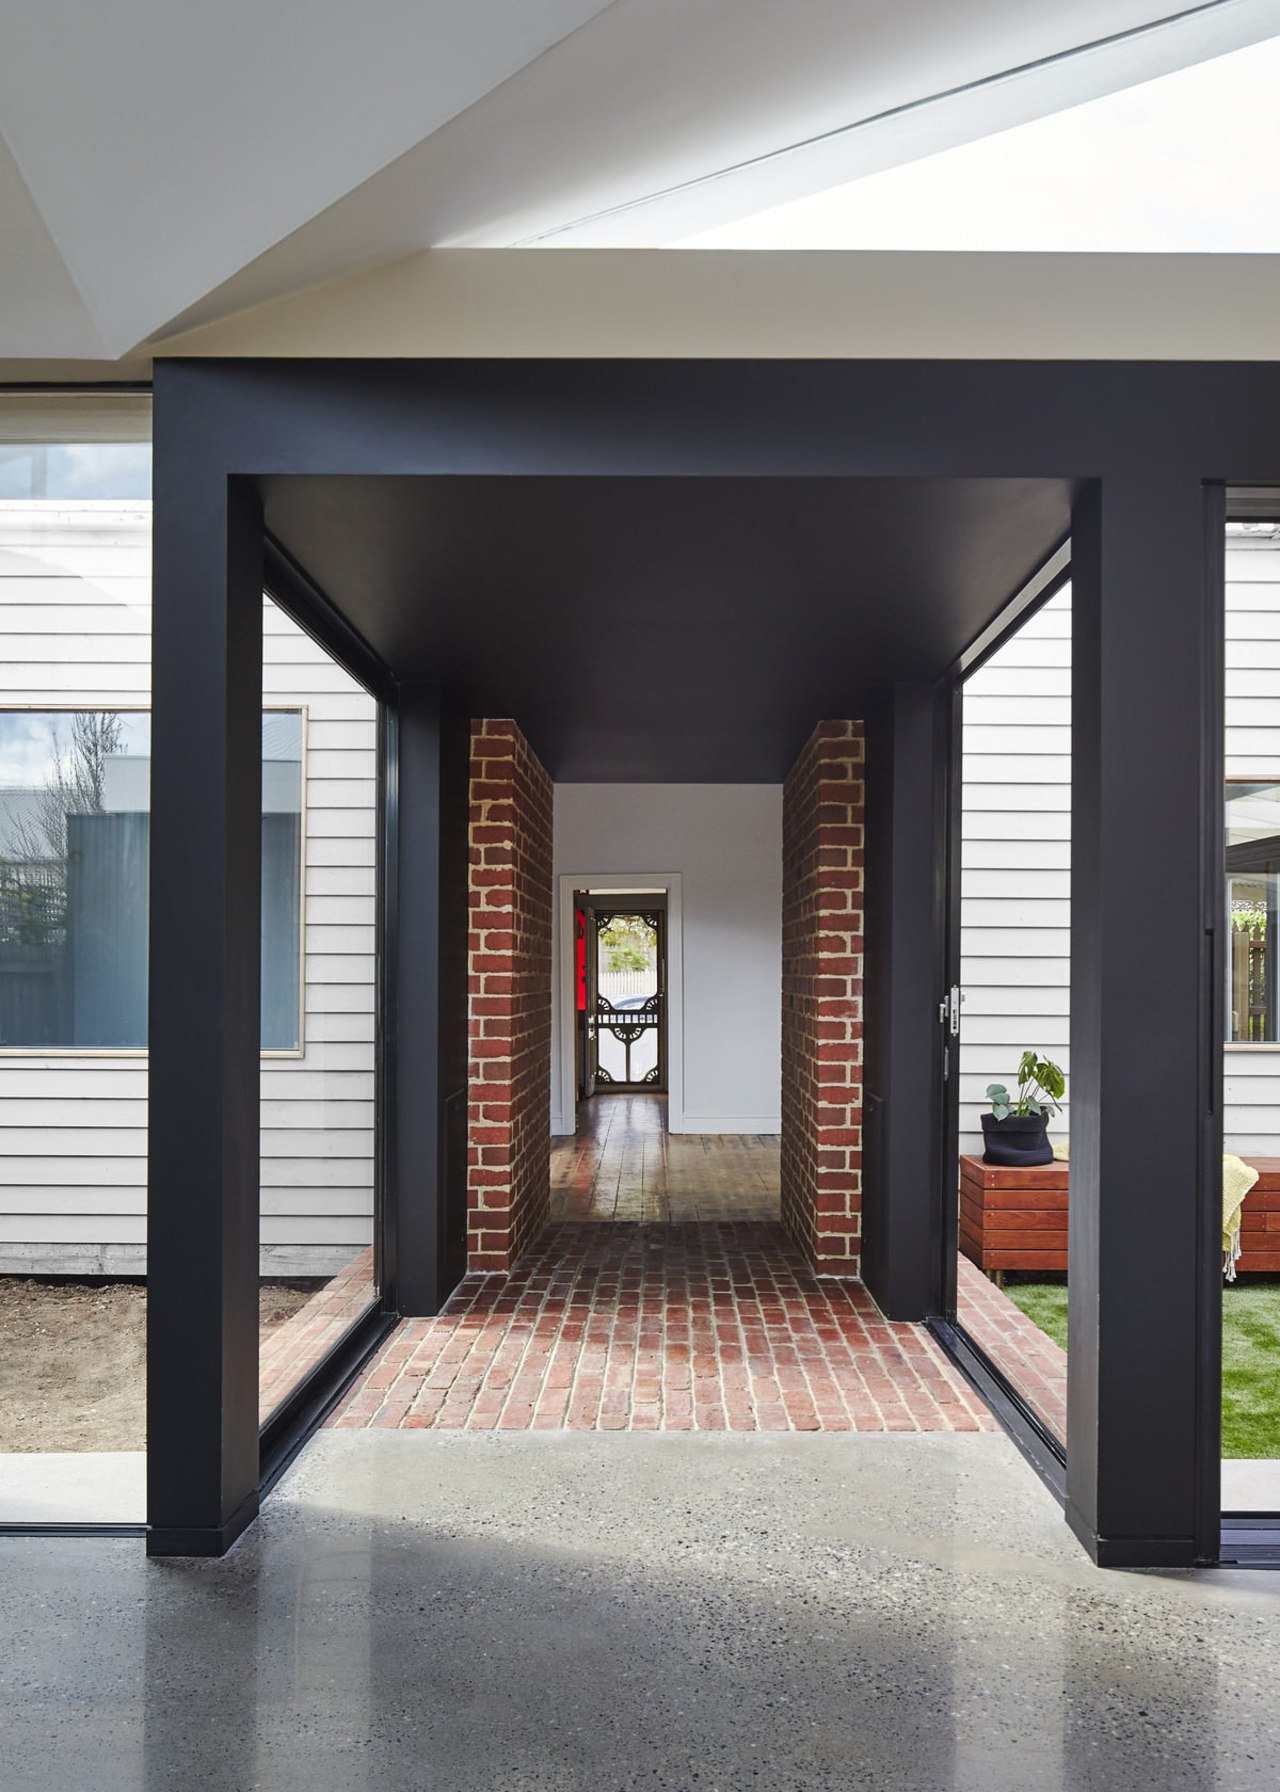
(73, 1360)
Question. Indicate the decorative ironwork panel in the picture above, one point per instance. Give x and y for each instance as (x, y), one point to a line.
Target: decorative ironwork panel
(628, 1016)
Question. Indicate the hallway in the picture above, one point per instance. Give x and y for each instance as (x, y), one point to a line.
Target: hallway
(691, 1311)
(680, 1327)
(623, 1164)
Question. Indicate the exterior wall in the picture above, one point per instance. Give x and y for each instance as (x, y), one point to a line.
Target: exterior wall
(509, 1142)
(724, 842)
(1251, 1092)
(1017, 827)
(822, 912)
(75, 611)
(1015, 914)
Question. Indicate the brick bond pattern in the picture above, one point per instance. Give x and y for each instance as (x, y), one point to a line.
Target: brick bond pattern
(822, 907)
(698, 1327)
(509, 1096)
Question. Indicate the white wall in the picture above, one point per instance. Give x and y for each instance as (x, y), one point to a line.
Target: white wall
(725, 841)
(75, 620)
(1015, 907)
(1251, 1095)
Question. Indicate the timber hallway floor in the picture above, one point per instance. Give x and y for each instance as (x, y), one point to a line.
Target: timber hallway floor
(623, 1164)
(664, 1295)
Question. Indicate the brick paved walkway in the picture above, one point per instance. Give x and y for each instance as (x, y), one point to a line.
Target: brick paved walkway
(662, 1327)
(1035, 1365)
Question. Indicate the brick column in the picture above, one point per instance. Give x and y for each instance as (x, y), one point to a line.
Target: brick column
(509, 1097)
(822, 900)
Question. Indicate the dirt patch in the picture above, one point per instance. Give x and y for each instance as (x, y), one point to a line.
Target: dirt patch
(73, 1360)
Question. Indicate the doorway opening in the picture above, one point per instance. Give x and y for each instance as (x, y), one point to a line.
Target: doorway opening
(1006, 1020)
(620, 952)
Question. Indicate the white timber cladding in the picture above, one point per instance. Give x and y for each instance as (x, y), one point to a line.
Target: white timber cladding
(75, 611)
(1015, 923)
(1016, 851)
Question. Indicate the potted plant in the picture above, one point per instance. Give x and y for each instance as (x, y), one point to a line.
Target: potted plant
(1016, 1131)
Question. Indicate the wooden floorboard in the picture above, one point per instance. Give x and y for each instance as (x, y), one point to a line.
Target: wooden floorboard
(623, 1164)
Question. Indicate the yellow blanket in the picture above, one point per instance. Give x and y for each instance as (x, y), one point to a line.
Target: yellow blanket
(1238, 1178)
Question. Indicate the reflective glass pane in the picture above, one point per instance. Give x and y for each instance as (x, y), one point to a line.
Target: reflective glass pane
(1251, 1057)
(319, 912)
(75, 835)
(75, 609)
(1013, 1016)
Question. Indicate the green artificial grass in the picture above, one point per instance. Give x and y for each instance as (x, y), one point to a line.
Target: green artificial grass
(1250, 1356)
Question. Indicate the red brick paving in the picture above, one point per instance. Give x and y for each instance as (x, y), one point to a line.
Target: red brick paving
(289, 1351)
(675, 1327)
(1035, 1365)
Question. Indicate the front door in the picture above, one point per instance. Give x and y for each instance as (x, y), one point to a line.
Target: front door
(626, 996)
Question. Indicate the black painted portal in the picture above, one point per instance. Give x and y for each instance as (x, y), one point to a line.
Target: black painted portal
(461, 516)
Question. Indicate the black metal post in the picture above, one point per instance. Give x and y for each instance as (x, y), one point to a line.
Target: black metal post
(427, 1190)
(1146, 1122)
(902, 1250)
(206, 834)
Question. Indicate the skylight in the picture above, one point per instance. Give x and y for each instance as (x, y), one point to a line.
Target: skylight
(1187, 163)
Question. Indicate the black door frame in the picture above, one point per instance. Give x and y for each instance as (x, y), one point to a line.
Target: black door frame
(618, 906)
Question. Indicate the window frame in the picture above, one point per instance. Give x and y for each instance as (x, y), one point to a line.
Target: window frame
(140, 1052)
(1229, 1044)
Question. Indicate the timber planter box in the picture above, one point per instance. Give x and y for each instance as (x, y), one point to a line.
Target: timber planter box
(1260, 1219)
(1017, 1218)
(1013, 1218)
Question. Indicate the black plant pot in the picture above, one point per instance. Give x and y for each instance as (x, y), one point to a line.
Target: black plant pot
(1020, 1140)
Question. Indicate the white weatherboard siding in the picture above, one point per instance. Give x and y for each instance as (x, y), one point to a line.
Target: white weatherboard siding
(1251, 1095)
(76, 617)
(1016, 861)
(1015, 891)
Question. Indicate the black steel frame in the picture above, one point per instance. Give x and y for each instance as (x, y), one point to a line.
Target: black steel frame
(1149, 448)
(433, 1269)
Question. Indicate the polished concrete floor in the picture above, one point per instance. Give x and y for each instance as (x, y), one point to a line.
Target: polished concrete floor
(576, 1612)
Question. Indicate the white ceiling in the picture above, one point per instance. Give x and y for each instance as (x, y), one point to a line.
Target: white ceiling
(164, 164)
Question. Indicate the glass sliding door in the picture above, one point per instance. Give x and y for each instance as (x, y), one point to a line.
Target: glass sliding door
(318, 1269)
(1009, 1021)
(75, 613)
(1250, 967)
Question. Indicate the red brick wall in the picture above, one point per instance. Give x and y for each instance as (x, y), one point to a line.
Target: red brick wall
(509, 1140)
(822, 902)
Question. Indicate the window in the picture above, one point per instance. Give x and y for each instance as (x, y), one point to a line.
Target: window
(75, 831)
(1253, 910)
(61, 470)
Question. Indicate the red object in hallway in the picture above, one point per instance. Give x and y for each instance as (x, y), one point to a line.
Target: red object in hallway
(580, 948)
